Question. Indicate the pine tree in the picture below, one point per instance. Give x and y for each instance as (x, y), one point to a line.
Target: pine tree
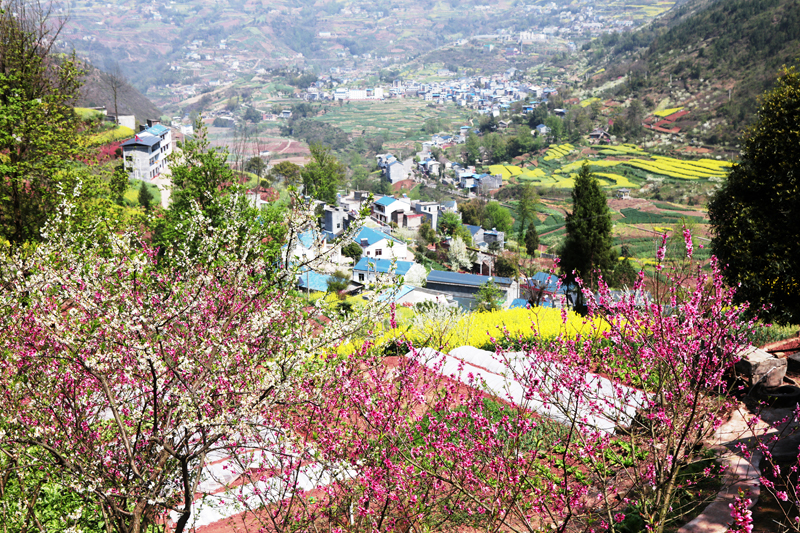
(588, 246)
(145, 197)
(526, 206)
(531, 239)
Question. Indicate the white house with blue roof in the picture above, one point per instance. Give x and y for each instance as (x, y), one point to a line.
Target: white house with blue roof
(145, 155)
(384, 207)
(367, 270)
(379, 245)
(309, 245)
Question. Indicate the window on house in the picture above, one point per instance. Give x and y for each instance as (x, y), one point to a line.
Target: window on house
(338, 226)
(128, 158)
(378, 252)
(361, 277)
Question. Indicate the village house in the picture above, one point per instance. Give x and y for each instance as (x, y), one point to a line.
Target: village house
(367, 270)
(392, 168)
(377, 244)
(334, 221)
(464, 287)
(145, 155)
(384, 207)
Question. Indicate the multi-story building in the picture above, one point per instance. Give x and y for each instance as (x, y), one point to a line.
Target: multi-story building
(145, 154)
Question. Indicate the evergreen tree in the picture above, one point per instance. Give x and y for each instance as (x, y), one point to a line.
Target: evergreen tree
(145, 197)
(472, 149)
(625, 274)
(531, 239)
(588, 246)
(118, 184)
(526, 207)
(199, 175)
(489, 297)
(755, 214)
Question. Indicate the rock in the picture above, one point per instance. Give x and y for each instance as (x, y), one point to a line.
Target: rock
(794, 362)
(760, 367)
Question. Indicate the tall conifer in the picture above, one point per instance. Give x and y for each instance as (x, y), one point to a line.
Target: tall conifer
(588, 246)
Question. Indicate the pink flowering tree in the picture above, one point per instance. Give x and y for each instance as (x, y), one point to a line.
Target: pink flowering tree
(157, 394)
(123, 378)
(667, 360)
(600, 432)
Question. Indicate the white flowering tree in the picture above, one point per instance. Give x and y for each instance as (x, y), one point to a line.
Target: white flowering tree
(124, 377)
(458, 254)
(416, 275)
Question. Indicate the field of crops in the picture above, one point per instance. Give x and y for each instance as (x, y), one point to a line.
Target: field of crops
(85, 113)
(667, 112)
(635, 216)
(395, 119)
(680, 169)
(117, 134)
(482, 330)
(557, 151)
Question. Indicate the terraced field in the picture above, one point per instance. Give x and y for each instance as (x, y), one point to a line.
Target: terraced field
(619, 166)
(396, 119)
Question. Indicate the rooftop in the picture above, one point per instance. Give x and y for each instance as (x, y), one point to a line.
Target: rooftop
(383, 266)
(385, 201)
(142, 140)
(313, 281)
(457, 278)
(158, 129)
(372, 236)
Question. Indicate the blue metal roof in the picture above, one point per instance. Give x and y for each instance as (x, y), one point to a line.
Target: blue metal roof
(395, 294)
(158, 129)
(456, 278)
(547, 282)
(372, 236)
(313, 281)
(472, 229)
(385, 201)
(519, 302)
(142, 140)
(367, 264)
(306, 238)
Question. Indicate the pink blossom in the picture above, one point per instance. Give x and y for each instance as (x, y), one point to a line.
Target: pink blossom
(687, 239)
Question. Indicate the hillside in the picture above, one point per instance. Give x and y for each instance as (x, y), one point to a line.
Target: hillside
(97, 91)
(229, 39)
(712, 58)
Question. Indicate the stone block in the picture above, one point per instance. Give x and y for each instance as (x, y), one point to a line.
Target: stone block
(794, 362)
(761, 367)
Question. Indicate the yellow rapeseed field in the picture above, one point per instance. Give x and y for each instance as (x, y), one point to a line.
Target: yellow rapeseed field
(480, 329)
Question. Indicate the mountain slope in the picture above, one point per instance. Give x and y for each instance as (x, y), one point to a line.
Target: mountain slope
(97, 91)
(715, 57)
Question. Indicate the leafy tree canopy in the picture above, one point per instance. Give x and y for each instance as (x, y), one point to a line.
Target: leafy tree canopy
(755, 214)
(286, 171)
(38, 128)
(498, 217)
(323, 175)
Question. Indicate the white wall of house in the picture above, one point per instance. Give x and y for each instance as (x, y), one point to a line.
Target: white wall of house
(385, 213)
(381, 250)
(143, 163)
